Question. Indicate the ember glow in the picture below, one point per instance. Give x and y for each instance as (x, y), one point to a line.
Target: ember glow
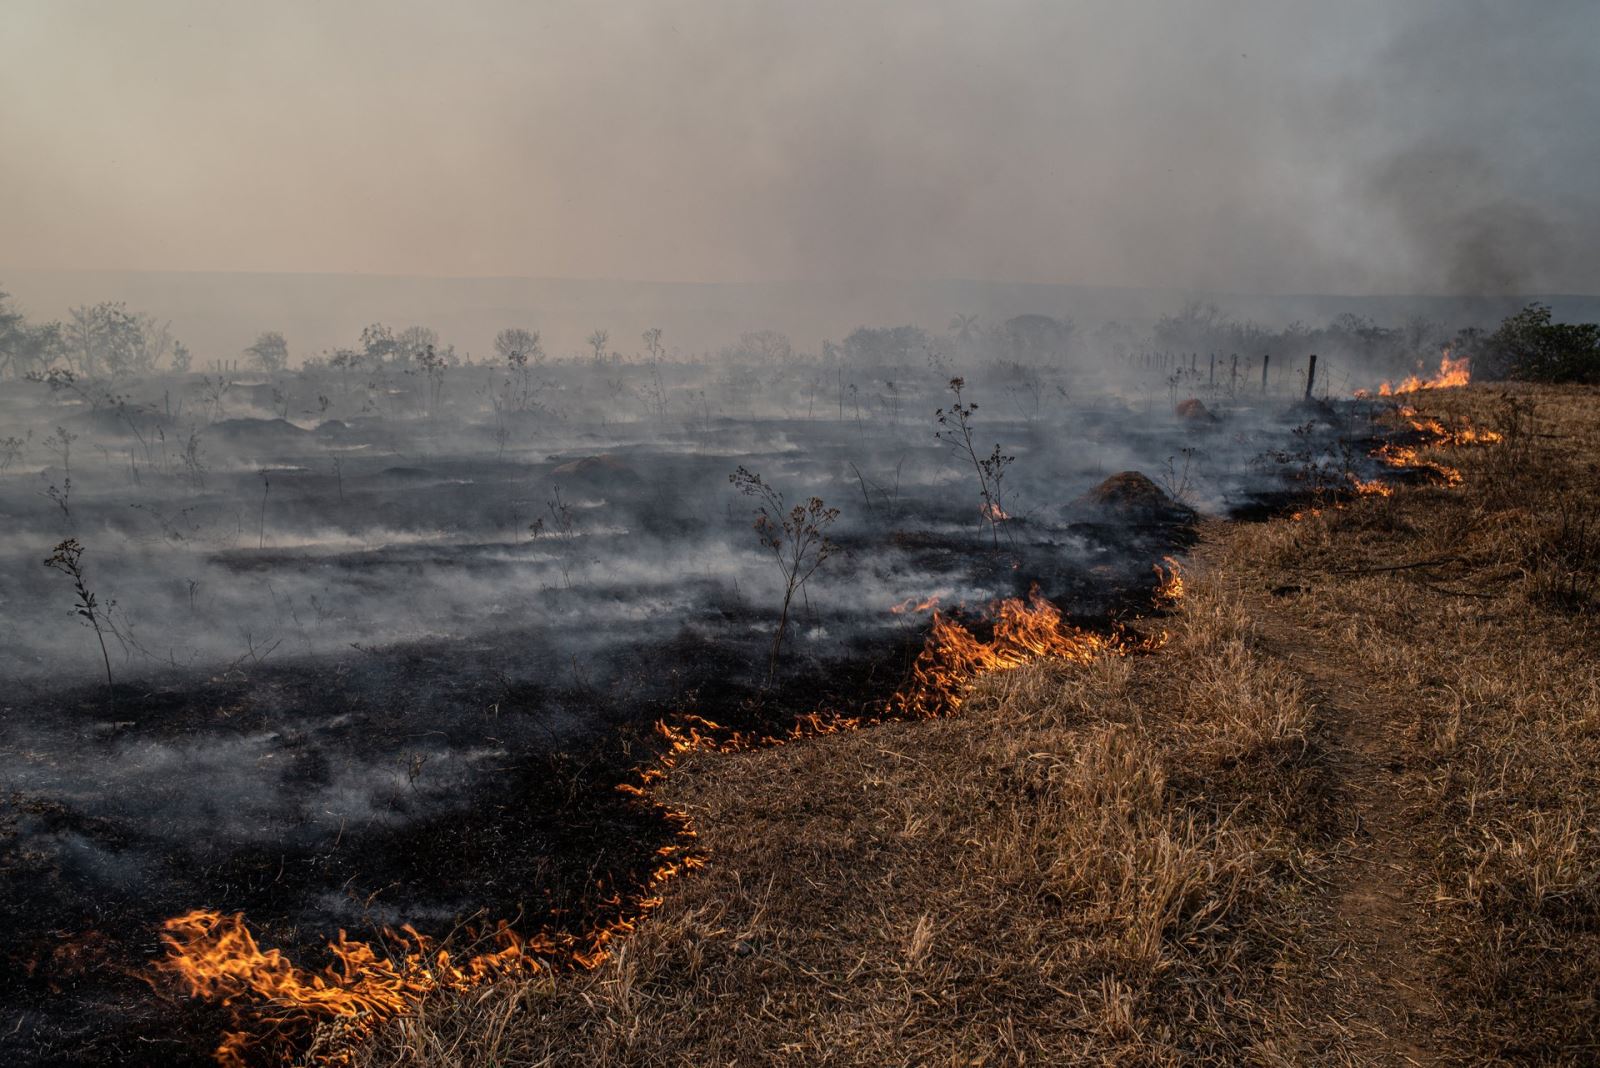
(994, 513)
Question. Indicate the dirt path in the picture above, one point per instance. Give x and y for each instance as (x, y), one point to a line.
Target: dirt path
(1365, 997)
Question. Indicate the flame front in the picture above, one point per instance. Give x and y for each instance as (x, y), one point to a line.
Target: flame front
(952, 658)
(276, 1003)
(1453, 371)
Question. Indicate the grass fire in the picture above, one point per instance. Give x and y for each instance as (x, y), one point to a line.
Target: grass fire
(849, 535)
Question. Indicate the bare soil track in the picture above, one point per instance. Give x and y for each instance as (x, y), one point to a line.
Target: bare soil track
(1369, 999)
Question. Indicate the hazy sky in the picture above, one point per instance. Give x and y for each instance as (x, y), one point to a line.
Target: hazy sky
(1445, 146)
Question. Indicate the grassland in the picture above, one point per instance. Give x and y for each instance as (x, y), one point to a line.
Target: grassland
(1345, 814)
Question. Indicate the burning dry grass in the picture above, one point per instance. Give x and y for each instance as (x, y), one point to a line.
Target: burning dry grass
(1453, 372)
(277, 1004)
(1100, 859)
(1343, 814)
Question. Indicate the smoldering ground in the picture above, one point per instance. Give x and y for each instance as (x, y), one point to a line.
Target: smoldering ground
(378, 654)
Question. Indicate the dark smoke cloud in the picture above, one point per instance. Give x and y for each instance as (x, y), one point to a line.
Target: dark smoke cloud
(1480, 119)
(1454, 208)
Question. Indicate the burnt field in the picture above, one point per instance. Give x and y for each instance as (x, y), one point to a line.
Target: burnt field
(375, 651)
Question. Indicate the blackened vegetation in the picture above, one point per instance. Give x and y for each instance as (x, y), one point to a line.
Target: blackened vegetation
(320, 771)
(544, 840)
(797, 538)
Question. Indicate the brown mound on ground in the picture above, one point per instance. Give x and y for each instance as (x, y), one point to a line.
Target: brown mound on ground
(1194, 409)
(1130, 496)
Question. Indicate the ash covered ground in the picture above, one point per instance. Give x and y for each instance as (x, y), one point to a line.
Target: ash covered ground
(381, 640)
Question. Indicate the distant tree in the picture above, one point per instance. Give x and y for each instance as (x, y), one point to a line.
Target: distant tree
(344, 361)
(1037, 338)
(377, 344)
(1115, 340)
(885, 345)
(964, 327)
(412, 342)
(1196, 326)
(598, 342)
(12, 327)
(652, 343)
(433, 364)
(654, 390)
(181, 358)
(761, 347)
(103, 337)
(1422, 334)
(518, 347)
(521, 351)
(26, 348)
(1363, 338)
(150, 343)
(269, 353)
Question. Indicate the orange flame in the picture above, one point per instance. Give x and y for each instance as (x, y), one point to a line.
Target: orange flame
(1466, 434)
(1453, 371)
(276, 1002)
(1404, 456)
(1169, 583)
(911, 604)
(952, 658)
(994, 513)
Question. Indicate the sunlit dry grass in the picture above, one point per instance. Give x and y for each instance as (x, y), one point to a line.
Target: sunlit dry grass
(1068, 872)
(1486, 650)
(1129, 861)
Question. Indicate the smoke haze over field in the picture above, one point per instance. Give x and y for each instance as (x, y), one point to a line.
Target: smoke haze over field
(409, 412)
(1242, 147)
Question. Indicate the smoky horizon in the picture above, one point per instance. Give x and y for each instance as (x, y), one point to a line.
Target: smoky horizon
(1424, 148)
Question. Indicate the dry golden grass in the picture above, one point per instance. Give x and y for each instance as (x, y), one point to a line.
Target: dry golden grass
(1351, 821)
(1486, 662)
(1075, 870)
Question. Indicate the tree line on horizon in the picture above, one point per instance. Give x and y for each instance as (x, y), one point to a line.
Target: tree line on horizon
(109, 340)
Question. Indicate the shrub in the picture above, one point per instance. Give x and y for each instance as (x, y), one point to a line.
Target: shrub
(1530, 347)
